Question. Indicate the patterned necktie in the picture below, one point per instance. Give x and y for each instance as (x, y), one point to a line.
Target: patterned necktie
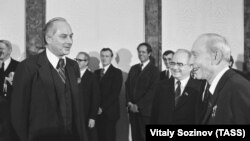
(61, 69)
(177, 92)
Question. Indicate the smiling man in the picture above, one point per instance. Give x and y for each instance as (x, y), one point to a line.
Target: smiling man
(140, 86)
(175, 99)
(45, 100)
(228, 93)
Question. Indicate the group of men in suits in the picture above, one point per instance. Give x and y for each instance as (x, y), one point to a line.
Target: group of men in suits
(54, 98)
(100, 94)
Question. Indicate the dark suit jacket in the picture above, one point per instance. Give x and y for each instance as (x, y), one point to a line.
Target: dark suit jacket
(140, 87)
(164, 110)
(110, 87)
(230, 103)
(163, 75)
(11, 68)
(90, 93)
(5, 128)
(34, 106)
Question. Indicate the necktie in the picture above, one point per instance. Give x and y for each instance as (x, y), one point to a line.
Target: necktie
(206, 99)
(177, 92)
(102, 72)
(61, 69)
(167, 74)
(141, 67)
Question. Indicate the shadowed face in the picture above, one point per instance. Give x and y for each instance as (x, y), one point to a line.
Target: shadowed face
(60, 38)
(167, 59)
(4, 52)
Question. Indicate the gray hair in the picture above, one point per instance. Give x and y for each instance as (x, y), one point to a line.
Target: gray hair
(216, 42)
(7, 43)
(85, 54)
(189, 54)
(49, 25)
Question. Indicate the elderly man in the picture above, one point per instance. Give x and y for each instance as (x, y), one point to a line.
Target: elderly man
(175, 99)
(45, 100)
(227, 95)
(7, 69)
(90, 93)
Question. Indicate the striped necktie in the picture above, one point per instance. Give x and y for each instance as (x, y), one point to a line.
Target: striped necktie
(177, 92)
(61, 70)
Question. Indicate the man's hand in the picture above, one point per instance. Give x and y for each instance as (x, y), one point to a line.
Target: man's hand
(91, 123)
(133, 107)
(99, 111)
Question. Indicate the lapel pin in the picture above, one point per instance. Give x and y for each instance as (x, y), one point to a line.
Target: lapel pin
(214, 111)
(78, 80)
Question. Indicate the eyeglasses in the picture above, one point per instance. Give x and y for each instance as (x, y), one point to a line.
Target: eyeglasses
(80, 60)
(178, 64)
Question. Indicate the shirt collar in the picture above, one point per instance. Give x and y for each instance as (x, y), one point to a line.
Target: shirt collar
(53, 59)
(145, 64)
(183, 83)
(83, 71)
(6, 63)
(217, 79)
(106, 68)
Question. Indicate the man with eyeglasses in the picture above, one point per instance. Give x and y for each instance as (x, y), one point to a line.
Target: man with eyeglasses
(175, 99)
(90, 94)
(167, 58)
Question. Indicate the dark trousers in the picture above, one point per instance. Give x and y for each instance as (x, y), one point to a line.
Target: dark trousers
(106, 129)
(138, 126)
(92, 134)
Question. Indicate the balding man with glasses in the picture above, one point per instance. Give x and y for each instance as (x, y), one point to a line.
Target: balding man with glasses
(175, 99)
(90, 94)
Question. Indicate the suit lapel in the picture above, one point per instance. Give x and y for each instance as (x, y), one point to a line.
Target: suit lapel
(216, 95)
(185, 94)
(46, 76)
(107, 73)
(72, 79)
(85, 77)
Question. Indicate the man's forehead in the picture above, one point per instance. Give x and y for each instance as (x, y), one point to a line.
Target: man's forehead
(62, 27)
(180, 57)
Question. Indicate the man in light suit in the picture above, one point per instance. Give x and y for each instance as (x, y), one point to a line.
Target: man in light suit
(90, 93)
(167, 58)
(228, 94)
(175, 99)
(45, 104)
(7, 70)
(110, 80)
(140, 86)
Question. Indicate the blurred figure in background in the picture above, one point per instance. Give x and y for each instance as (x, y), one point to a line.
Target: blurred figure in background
(167, 58)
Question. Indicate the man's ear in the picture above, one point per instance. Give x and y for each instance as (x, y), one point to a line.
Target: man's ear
(48, 39)
(217, 57)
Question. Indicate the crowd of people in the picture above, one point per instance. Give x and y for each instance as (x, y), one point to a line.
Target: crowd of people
(50, 97)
